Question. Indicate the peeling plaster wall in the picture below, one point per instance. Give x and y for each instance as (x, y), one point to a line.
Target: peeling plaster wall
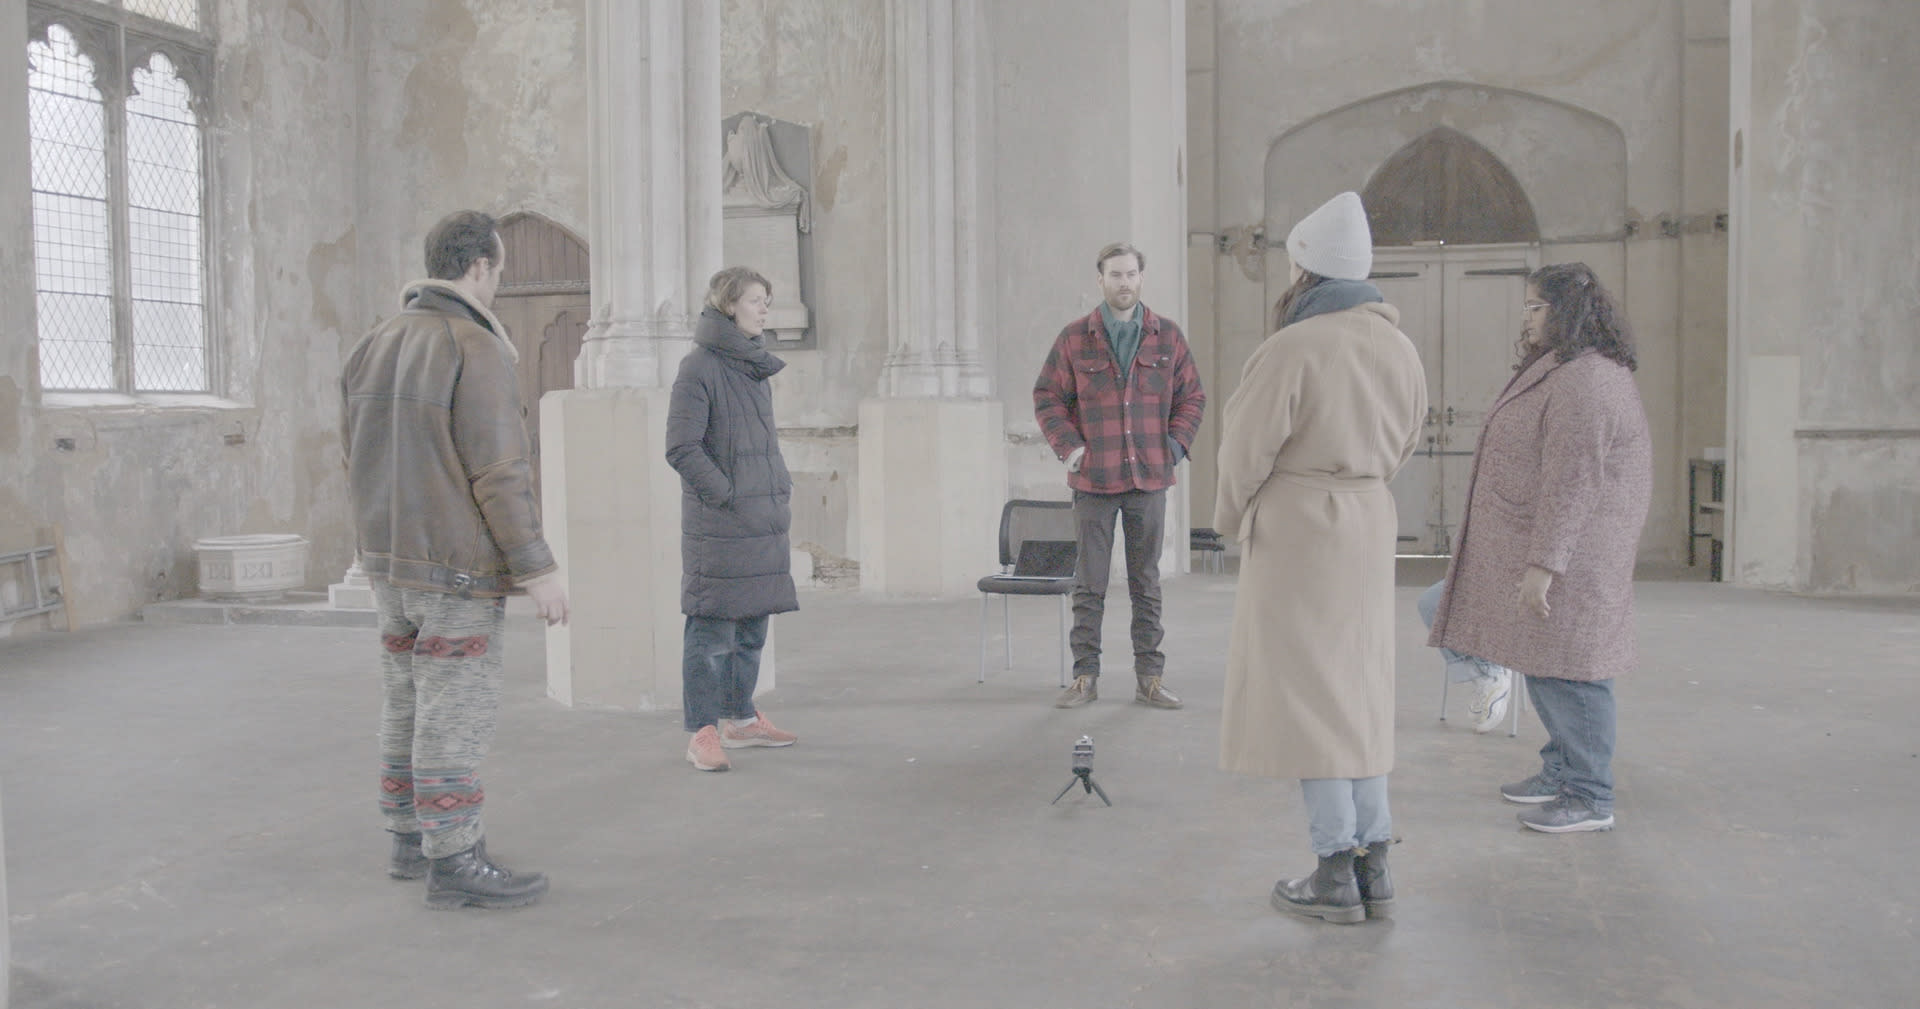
(1825, 296)
(26, 505)
(476, 104)
(1277, 64)
(822, 63)
(143, 481)
(483, 103)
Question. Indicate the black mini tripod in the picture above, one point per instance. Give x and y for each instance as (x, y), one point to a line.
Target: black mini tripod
(1083, 772)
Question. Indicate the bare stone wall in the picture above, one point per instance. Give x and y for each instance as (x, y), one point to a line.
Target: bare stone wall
(141, 482)
(1827, 399)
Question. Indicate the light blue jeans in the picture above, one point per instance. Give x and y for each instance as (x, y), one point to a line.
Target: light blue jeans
(1579, 718)
(1460, 668)
(1346, 813)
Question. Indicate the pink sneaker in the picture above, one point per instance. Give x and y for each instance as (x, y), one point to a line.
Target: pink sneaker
(758, 732)
(704, 752)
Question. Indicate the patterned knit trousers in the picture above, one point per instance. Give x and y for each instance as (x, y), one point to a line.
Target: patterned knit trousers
(441, 663)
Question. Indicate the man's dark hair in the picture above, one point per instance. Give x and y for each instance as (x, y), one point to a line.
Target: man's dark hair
(461, 239)
(1118, 249)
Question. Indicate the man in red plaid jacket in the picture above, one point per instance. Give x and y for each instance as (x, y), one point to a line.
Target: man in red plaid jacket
(1119, 399)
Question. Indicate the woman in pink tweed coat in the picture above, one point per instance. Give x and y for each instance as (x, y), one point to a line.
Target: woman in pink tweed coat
(1542, 579)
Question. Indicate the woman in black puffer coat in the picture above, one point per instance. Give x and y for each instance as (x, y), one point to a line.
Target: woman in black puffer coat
(734, 517)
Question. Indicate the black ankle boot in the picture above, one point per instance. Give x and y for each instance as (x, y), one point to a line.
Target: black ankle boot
(1330, 893)
(470, 879)
(408, 861)
(1375, 882)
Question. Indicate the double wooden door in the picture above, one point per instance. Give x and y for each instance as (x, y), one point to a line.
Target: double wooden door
(1461, 308)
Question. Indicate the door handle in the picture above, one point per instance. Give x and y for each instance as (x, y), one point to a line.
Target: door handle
(1449, 416)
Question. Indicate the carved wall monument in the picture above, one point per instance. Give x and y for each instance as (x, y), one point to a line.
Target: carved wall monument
(768, 211)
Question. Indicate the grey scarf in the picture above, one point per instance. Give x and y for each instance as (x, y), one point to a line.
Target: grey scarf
(1331, 296)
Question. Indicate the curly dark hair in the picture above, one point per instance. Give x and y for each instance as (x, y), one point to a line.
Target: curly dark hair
(461, 239)
(1580, 314)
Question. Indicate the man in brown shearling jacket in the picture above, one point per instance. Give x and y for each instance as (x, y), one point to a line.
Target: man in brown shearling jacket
(444, 510)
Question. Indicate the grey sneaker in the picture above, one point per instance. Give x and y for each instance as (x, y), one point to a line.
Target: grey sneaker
(1566, 815)
(1083, 691)
(1530, 792)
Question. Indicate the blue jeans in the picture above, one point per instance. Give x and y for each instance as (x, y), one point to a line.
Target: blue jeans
(719, 667)
(1579, 718)
(1346, 813)
(1460, 668)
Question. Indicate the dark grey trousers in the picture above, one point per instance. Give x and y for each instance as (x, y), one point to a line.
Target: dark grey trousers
(1143, 520)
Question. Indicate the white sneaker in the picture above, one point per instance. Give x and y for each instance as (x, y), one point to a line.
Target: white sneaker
(1490, 698)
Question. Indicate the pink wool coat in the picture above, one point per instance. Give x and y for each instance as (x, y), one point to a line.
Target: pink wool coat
(1561, 479)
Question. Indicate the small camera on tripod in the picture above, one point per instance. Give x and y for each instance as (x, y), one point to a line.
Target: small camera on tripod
(1083, 771)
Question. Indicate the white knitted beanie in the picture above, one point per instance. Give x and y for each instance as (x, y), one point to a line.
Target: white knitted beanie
(1334, 241)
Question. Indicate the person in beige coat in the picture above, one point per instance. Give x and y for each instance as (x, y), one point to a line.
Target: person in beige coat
(1328, 410)
(1542, 578)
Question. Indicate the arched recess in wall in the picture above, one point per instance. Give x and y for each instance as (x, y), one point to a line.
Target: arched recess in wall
(1570, 163)
(1477, 186)
(543, 301)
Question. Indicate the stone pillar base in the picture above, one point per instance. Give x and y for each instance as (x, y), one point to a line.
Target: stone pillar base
(354, 591)
(6, 947)
(933, 478)
(611, 507)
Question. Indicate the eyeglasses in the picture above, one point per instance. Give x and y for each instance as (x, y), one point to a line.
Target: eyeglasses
(1535, 306)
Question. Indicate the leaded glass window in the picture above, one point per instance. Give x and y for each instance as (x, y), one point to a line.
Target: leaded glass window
(117, 131)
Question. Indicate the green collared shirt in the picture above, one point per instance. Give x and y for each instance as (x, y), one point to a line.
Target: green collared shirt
(1123, 335)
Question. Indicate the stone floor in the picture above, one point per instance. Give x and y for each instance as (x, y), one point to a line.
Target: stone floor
(190, 823)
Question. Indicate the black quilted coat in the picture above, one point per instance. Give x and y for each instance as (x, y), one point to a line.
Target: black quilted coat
(735, 490)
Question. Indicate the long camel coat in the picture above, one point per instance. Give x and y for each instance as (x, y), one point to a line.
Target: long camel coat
(1327, 412)
(1561, 479)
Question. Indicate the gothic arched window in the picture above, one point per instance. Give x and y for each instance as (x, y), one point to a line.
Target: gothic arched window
(117, 124)
(1445, 187)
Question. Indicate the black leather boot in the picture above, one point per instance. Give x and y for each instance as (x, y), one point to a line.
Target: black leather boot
(468, 878)
(1376, 883)
(408, 861)
(1331, 893)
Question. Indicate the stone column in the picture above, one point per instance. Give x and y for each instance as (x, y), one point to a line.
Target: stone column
(611, 502)
(933, 444)
(1824, 407)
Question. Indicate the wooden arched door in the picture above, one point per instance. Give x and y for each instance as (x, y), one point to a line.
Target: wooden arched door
(543, 300)
(1455, 238)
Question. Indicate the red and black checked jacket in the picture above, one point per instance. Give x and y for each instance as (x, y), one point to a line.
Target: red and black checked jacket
(1080, 399)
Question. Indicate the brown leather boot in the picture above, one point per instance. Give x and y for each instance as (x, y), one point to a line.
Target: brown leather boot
(1083, 692)
(1151, 693)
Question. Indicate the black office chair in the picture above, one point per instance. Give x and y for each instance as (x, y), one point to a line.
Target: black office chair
(1039, 546)
(1212, 548)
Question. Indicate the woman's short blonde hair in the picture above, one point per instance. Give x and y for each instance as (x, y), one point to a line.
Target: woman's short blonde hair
(730, 285)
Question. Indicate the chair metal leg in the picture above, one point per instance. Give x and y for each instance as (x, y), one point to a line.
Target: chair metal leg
(1066, 653)
(1519, 701)
(985, 601)
(1445, 677)
(1006, 613)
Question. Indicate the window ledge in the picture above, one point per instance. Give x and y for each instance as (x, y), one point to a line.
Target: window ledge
(144, 401)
